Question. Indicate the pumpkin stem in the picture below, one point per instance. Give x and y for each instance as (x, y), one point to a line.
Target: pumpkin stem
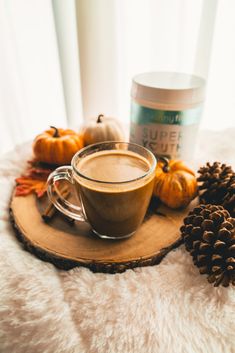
(99, 118)
(56, 132)
(166, 167)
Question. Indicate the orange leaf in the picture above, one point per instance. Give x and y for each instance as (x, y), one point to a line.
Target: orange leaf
(26, 186)
(33, 181)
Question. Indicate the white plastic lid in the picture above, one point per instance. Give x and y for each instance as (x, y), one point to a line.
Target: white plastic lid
(168, 88)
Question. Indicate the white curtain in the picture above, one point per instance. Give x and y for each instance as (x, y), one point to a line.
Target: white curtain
(119, 39)
(66, 29)
(65, 61)
(219, 105)
(31, 91)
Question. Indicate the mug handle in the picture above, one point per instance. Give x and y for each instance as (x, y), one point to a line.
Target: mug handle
(55, 196)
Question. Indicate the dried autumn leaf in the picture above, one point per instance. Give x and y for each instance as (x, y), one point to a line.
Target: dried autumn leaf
(38, 173)
(26, 186)
(33, 181)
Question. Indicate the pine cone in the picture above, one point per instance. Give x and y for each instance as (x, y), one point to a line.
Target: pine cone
(209, 235)
(218, 185)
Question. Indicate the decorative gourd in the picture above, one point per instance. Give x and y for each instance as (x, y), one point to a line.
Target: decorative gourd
(102, 129)
(57, 146)
(175, 183)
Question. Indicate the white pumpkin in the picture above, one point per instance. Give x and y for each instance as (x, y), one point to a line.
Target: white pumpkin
(102, 129)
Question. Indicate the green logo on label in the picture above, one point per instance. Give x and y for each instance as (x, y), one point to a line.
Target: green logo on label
(142, 115)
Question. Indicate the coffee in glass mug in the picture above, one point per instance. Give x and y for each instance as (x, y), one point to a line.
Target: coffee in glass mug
(114, 183)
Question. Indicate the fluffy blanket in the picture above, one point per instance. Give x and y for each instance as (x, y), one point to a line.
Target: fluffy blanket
(168, 308)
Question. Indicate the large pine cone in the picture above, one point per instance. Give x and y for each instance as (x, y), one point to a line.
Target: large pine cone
(218, 184)
(209, 235)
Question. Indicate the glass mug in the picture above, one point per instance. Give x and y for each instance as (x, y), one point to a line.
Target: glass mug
(114, 183)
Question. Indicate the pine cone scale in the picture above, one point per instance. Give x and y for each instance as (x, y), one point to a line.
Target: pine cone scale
(209, 236)
(217, 183)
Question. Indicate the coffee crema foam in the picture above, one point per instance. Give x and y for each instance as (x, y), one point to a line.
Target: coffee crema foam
(114, 166)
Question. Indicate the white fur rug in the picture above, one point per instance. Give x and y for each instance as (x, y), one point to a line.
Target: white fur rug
(169, 308)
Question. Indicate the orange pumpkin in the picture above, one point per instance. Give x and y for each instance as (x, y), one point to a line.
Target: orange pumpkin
(57, 146)
(175, 183)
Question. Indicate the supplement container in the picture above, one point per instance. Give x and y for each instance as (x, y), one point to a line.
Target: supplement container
(165, 112)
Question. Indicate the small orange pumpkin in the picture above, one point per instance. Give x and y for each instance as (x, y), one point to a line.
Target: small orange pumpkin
(175, 183)
(57, 146)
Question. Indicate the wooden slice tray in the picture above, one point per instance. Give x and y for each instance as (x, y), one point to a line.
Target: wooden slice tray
(67, 246)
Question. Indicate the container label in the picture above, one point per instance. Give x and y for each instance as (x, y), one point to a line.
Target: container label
(166, 133)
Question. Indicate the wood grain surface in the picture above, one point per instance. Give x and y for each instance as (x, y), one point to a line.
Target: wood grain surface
(68, 245)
